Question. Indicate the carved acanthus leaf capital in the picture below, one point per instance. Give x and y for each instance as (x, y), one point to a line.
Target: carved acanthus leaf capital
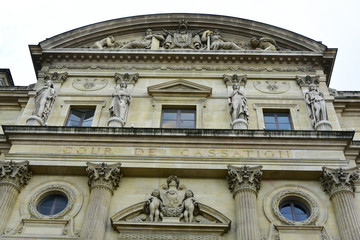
(103, 175)
(15, 174)
(244, 178)
(307, 80)
(339, 180)
(127, 78)
(232, 79)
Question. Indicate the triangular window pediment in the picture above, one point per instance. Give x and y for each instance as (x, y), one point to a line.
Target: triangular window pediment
(179, 87)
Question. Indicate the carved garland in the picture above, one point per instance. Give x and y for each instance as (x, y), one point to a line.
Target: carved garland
(46, 191)
(304, 198)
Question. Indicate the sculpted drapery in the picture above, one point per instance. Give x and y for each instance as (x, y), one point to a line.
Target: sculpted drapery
(316, 105)
(238, 104)
(44, 99)
(120, 103)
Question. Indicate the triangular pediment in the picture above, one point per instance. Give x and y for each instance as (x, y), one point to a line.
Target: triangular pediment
(179, 87)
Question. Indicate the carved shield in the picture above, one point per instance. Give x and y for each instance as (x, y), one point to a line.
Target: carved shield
(182, 40)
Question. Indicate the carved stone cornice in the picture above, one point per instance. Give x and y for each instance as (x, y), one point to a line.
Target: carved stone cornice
(339, 180)
(231, 79)
(127, 78)
(103, 175)
(244, 178)
(307, 80)
(14, 174)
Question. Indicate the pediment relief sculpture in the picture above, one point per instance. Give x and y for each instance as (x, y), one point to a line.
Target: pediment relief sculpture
(179, 87)
(184, 38)
(171, 205)
(272, 86)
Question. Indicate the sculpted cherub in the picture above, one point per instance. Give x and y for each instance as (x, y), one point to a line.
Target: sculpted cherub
(190, 205)
(152, 206)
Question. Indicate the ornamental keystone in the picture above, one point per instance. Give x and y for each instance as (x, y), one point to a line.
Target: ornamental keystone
(15, 174)
(244, 178)
(339, 180)
(103, 175)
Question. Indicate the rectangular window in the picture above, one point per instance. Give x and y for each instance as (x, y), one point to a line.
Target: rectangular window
(178, 118)
(80, 117)
(277, 121)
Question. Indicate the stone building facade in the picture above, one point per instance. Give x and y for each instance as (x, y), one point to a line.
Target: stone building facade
(179, 126)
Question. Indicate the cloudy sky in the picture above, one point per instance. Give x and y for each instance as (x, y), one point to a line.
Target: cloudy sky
(335, 23)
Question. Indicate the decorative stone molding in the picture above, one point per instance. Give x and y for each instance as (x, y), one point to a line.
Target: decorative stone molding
(57, 77)
(299, 196)
(47, 190)
(87, 84)
(307, 80)
(244, 178)
(272, 86)
(15, 174)
(230, 80)
(103, 175)
(127, 78)
(339, 180)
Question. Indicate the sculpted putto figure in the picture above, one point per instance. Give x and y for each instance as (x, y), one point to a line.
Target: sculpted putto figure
(190, 205)
(145, 42)
(216, 41)
(264, 43)
(152, 205)
(238, 104)
(44, 100)
(120, 103)
(107, 42)
(316, 105)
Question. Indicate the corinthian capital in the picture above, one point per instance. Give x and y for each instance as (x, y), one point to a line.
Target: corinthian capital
(103, 175)
(14, 174)
(338, 180)
(244, 178)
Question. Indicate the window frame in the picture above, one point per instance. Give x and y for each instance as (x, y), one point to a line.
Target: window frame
(54, 208)
(178, 116)
(83, 115)
(293, 213)
(276, 116)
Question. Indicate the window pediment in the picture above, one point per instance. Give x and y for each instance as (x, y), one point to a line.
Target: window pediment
(179, 87)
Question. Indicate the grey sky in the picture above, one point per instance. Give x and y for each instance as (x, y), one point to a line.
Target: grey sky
(335, 23)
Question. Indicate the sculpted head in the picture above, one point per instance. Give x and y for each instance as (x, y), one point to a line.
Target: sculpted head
(254, 42)
(189, 194)
(236, 86)
(155, 193)
(49, 83)
(312, 87)
(148, 31)
(123, 85)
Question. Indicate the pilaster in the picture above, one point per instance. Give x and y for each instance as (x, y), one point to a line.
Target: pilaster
(244, 183)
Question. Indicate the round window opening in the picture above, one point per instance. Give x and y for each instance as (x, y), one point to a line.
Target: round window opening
(294, 211)
(52, 204)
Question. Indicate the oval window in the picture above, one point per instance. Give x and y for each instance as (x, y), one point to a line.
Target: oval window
(294, 211)
(52, 204)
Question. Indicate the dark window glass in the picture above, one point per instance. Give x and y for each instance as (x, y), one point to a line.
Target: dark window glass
(52, 204)
(294, 211)
(80, 117)
(178, 118)
(277, 121)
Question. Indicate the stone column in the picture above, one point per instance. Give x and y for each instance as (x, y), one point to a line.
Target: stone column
(340, 185)
(103, 180)
(13, 176)
(244, 183)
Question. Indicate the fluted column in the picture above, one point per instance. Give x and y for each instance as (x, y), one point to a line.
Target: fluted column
(244, 183)
(103, 181)
(13, 176)
(340, 185)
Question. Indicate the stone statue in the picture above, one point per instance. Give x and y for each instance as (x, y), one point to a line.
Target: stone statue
(145, 42)
(238, 104)
(44, 100)
(215, 41)
(107, 42)
(120, 103)
(263, 43)
(316, 105)
(183, 38)
(152, 206)
(190, 205)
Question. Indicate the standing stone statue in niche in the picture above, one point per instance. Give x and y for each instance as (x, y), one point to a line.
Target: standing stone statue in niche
(317, 108)
(144, 43)
(216, 42)
(190, 205)
(44, 100)
(152, 206)
(263, 43)
(238, 108)
(119, 106)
